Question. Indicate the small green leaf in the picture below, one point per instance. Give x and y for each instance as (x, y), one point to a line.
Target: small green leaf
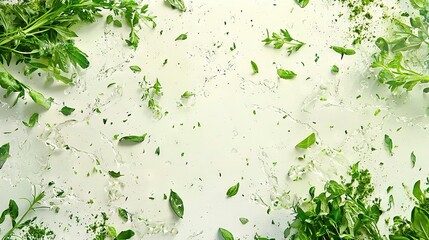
(176, 204)
(115, 174)
(243, 220)
(66, 111)
(112, 231)
(4, 154)
(117, 23)
(286, 74)
(187, 94)
(13, 209)
(233, 190)
(307, 142)
(413, 159)
(109, 19)
(343, 51)
(254, 67)
(158, 151)
(125, 235)
(302, 3)
(182, 36)
(417, 192)
(382, 44)
(40, 99)
(389, 144)
(32, 121)
(335, 69)
(420, 222)
(123, 214)
(133, 139)
(177, 4)
(135, 69)
(227, 235)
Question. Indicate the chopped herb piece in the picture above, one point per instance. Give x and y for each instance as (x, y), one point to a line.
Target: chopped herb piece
(233, 190)
(182, 36)
(335, 69)
(32, 121)
(254, 67)
(412, 156)
(66, 111)
(307, 142)
(227, 235)
(244, 220)
(302, 3)
(177, 4)
(157, 151)
(115, 174)
(117, 23)
(286, 74)
(135, 69)
(4, 154)
(176, 204)
(125, 235)
(343, 51)
(187, 94)
(109, 19)
(133, 139)
(389, 144)
(278, 40)
(123, 214)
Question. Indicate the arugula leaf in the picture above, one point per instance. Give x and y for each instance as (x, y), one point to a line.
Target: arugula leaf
(302, 3)
(285, 74)
(278, 40)
(176, 204)
(177, 4)
(32, 121)
(182, 36)
(135, 69)
(254, 67)
(133, 138)
(389, 144)
(125, 235)
(4, 154)
(227, 235)
(233, 190)
(307, 142)
(114, 174)
(66, 111)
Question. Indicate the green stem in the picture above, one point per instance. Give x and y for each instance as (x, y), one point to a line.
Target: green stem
(9, 233)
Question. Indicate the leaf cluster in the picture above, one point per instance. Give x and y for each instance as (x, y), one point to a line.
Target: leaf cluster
(282, 38)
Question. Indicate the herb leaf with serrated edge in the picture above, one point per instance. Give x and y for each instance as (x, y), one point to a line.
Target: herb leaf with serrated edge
(133, 139)
(233, 190)
(176, 204)
(307, 142)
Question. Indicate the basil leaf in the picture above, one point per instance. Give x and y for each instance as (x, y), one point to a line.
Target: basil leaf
(32, 121)
(302, 3)
(135, 69)
(115, 174)
(133, 139)
(420, 222)
(307, 142)
(254, 67)
(389, 144)
(286, 74)
(176, 204)
(232, 191)
(125, 235)
(227, 235)
(177, 4)
(4, 154)
(182, 36)
(66, 111)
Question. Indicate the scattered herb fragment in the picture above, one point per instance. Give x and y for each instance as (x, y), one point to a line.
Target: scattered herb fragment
(412, 157)
(389, 144)
(343, 51)
(177, 4)
(32, 121)
(114, 174)
(117, 23)
(176, 204)
(302, 3)
(66, 111)
(335, 69)
(182, 36)
(278, 40)
(133, 139)
(187, 95)
(233, 190)
(227, 235)
(4, 154)
(307, 142)
(285, 74)
(123, 214)
(125, 235)
(157, 151)
(243, 220)
(135, 69)
(254, 67)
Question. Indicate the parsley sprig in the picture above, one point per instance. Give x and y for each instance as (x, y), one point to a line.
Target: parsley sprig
(278, 40)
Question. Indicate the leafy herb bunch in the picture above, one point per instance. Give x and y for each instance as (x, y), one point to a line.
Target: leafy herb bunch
(37, 33)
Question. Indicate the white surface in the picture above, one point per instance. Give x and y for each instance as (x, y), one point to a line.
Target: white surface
(232, 145)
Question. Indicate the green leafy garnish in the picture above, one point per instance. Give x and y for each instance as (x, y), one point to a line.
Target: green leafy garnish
(187, 95)
(176, 204)
(389, 144)
(254, 67)
(67, 110)
(152, 93)
(233, 190)
(243, 220)
(335, 69)
(135, 69)
(117, 23)
(177, 4)
(133, 138)
(125, 235)
(343, 51)
(307, 142)
(114, 174)
(285, 74)
(32, 121)
(123, 214)
(158, 151)
(302, 3)
(278, 40)
(4, 154)
(227, 235)
(413, 159)
(182, 36)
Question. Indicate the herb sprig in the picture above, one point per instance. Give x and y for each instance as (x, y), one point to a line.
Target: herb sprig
(278, 40)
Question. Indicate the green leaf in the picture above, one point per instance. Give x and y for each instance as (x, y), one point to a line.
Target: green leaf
(420, 222)
(343, 51)
(65, 32)
(177, 4)
(66, 111)
(233, 190)
(125, 235)
(135, 69)
(413, 159)
(157, 151)
(382, 44)
(302, 3)
(112, 231)
(243, 220)
(286, 74)
(176, 204)
(187, 94)
(389, 144)
(32, 121)
(307, 142)
(13, 209)
(115, 174)
(109, 19)
(123, 214)
(426, 90)
(227, 235)
(182, 36)
(254, 67)
(40, 99)
(117, 23)
(335, 69)
(133, 139)
(4, 154)
(417, 192)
